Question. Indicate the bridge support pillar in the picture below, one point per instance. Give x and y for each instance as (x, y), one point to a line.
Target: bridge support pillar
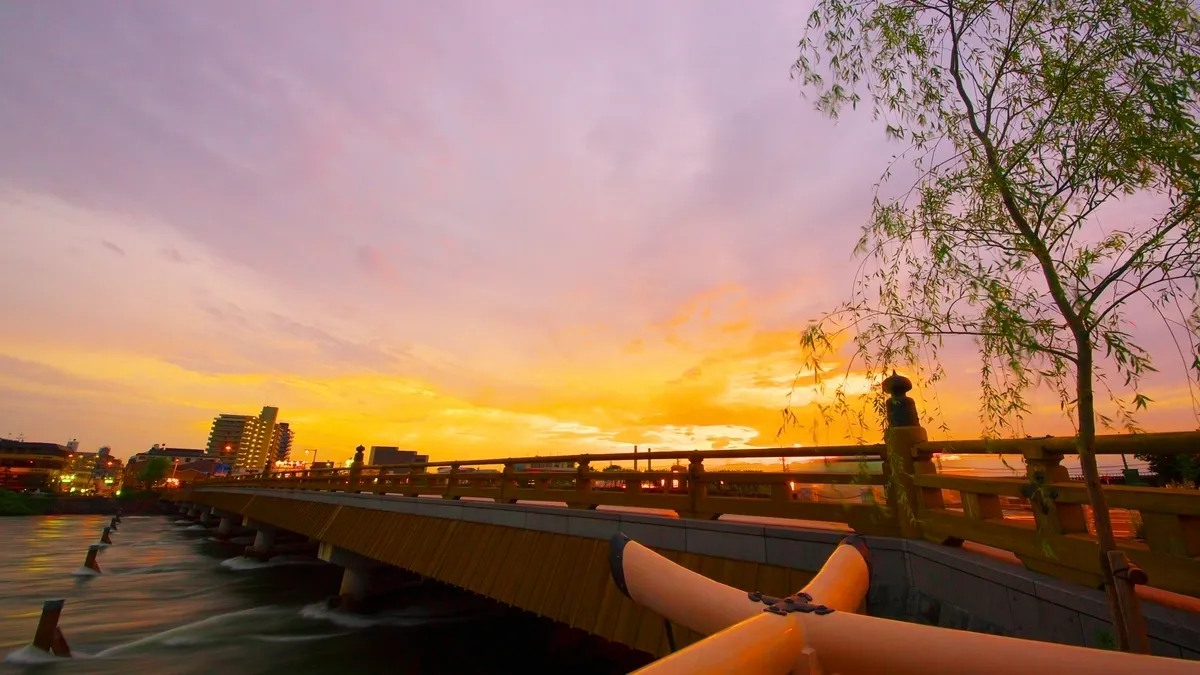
(264, 540)
(225, 528)
(358, 577)
(208, 517)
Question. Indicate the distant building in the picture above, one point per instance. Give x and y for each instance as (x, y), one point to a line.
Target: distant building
(559, 467)
(321, 465)
(193, 471)
(26, 465)
(172, 455)
(381, 455)
(176, 458)
(246, 442)
(78, 474)
(108, 476)
(283, 451)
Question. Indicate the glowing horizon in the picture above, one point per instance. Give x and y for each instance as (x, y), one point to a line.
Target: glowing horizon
(608, 234)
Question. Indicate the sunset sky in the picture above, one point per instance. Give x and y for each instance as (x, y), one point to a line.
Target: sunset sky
(469, 228)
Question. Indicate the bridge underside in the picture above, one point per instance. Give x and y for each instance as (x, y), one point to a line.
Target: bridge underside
(559, 576)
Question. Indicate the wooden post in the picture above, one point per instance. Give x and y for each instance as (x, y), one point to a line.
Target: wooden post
(451, 483)
(697, 490)
(1044, 468)
(1053, 520)
(508, 483)
(90, 560)
(583, 487)
(1127, 576)
(903, 460)
(356, 468)
(49, 637)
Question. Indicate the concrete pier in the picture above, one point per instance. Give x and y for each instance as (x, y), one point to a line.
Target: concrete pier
(264, 540)
(208, 517)
(357, 577)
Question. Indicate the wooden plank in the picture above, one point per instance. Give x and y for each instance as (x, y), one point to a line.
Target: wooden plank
(608, 612)
(745, 577)
(596, 579)
(514, 565)
(628, 620)
(475, 571)
(446, 544)
(456, 557)
(982, 506)
(531, 577)
(1004, 487)
(554, 564)
(558, 585)
(426, 547)
(1155, 500)
(772, 580)
(491, 572)
(1171, 443)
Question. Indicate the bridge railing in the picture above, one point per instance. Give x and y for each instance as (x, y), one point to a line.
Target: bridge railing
(895, 488)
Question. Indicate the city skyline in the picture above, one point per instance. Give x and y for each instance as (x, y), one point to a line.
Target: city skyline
(610, 234)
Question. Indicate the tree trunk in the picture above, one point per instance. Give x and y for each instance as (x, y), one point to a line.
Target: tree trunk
(1085, 443)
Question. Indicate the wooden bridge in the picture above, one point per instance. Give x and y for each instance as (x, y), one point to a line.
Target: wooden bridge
(1013, 555)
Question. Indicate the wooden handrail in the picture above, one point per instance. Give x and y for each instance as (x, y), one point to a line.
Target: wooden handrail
(1168, 443)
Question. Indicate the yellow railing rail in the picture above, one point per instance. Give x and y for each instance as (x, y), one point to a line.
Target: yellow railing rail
(894, 488)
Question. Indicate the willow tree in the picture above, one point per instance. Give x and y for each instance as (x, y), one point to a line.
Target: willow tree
(1024, 122)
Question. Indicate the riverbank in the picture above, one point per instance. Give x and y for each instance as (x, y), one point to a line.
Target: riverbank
(20, 504)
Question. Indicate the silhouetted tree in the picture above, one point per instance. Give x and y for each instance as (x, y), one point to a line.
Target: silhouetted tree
(154, 472)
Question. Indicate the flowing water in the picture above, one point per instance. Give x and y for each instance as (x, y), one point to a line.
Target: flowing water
(172, 601)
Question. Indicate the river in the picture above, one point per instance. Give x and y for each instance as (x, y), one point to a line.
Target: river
(172, 601)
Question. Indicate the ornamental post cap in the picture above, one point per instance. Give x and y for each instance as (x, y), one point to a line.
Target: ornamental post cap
(897, 385)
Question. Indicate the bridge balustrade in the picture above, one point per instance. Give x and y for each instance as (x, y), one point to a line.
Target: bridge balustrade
(897, 488)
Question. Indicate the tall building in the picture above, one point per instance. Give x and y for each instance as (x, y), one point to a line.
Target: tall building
(283, 449)
(382, 455)
(229, 433)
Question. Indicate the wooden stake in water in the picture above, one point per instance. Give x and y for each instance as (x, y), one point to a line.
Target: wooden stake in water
(90, 561)
(113, 523)
(104, 538)
(49, 637)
